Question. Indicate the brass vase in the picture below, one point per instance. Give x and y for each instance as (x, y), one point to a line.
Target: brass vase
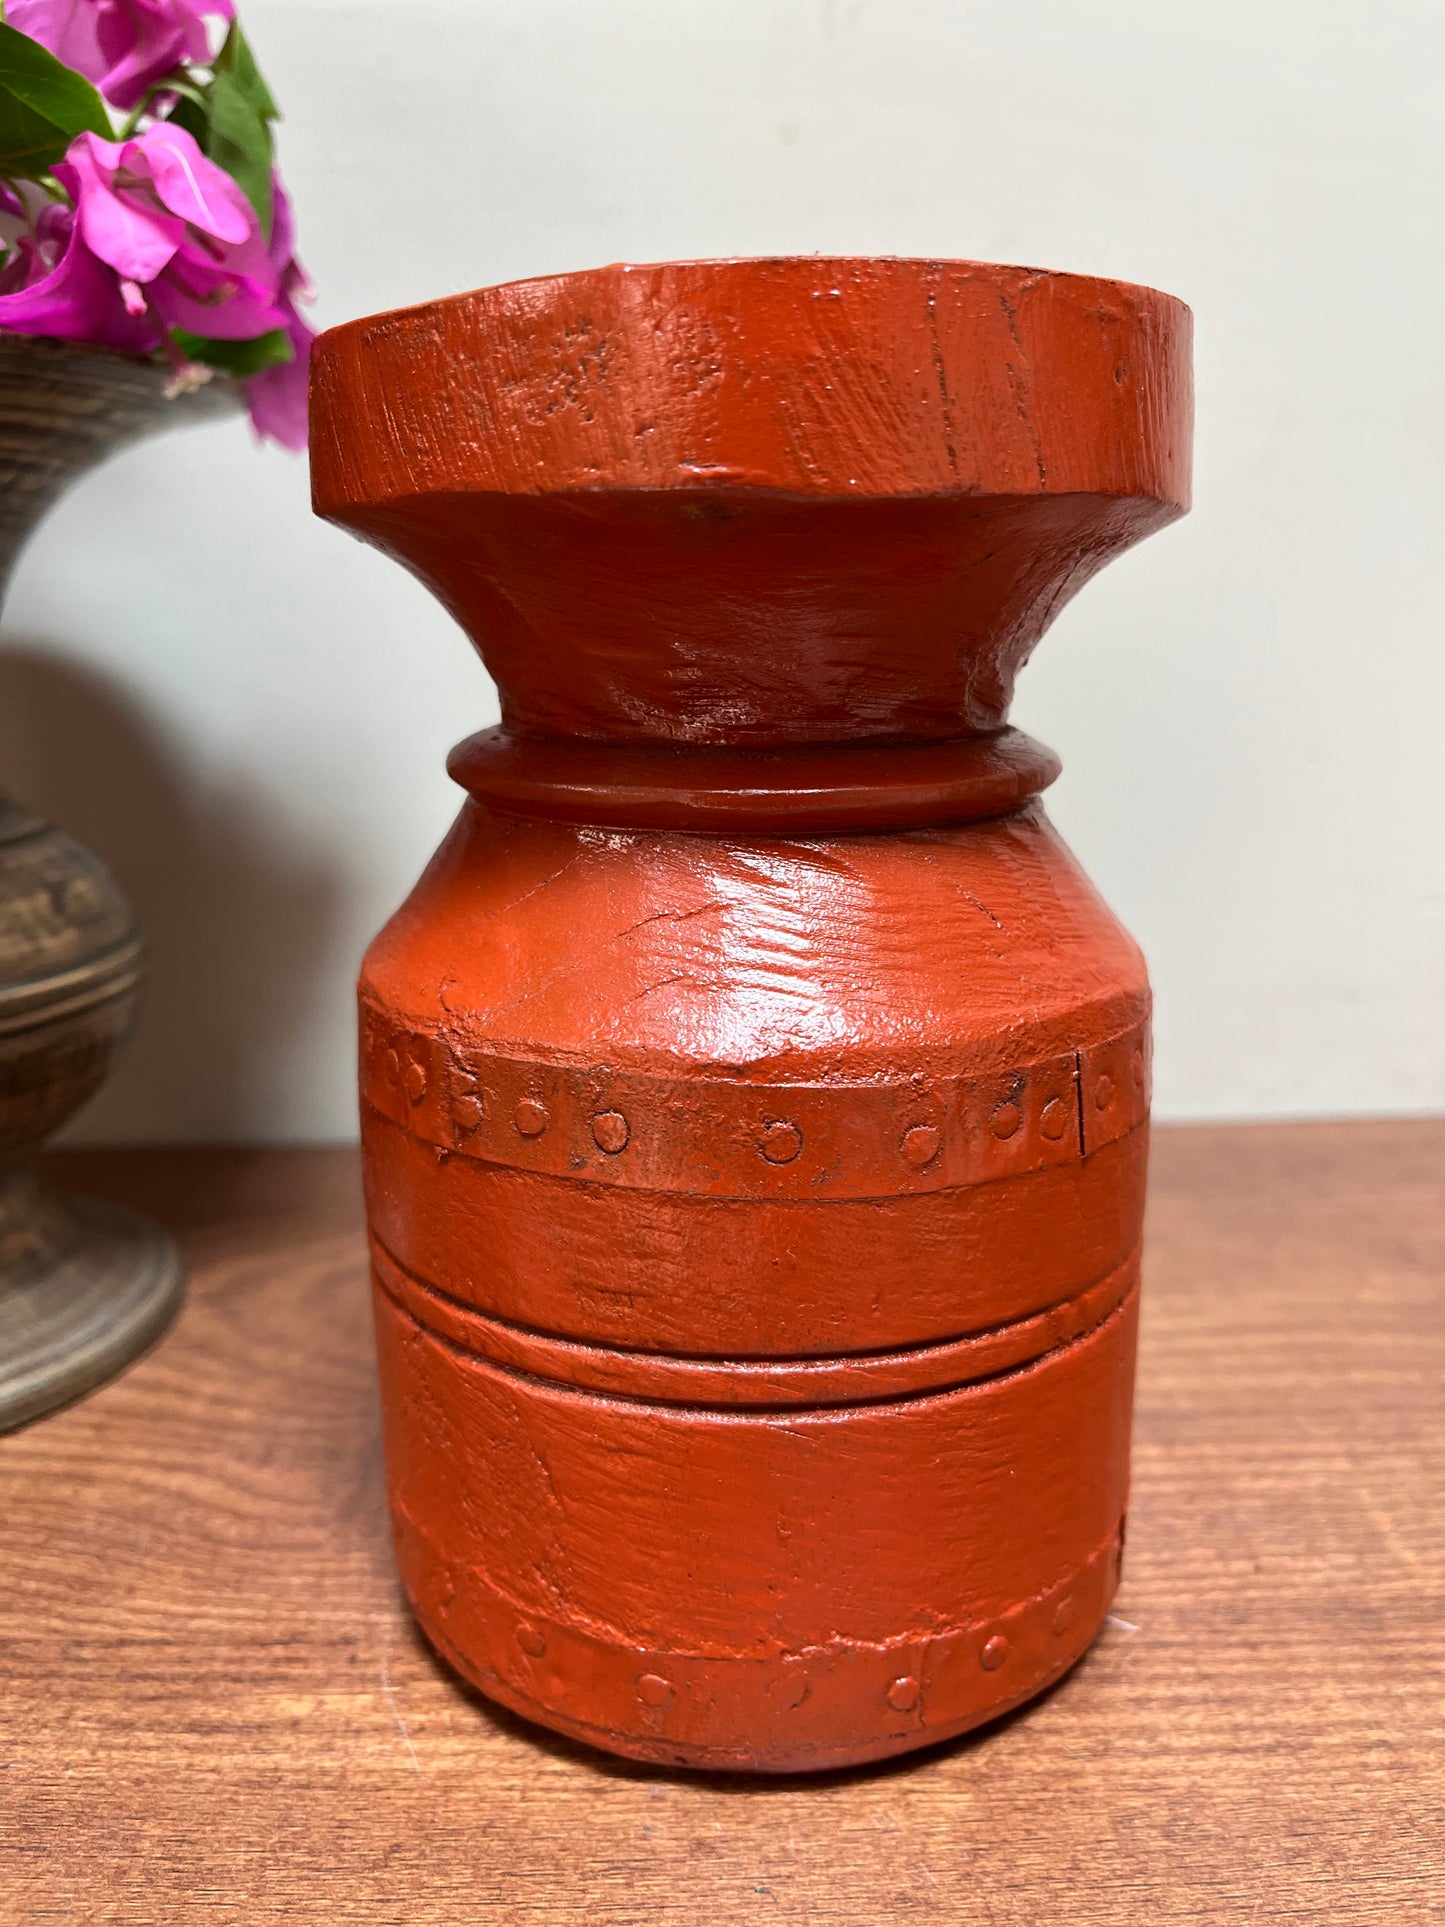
(84, 1285)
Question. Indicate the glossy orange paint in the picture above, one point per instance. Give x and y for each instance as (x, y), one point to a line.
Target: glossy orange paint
(755, 1092)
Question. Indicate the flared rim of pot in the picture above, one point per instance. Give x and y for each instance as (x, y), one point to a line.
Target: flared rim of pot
(835, 376)
(724, 263)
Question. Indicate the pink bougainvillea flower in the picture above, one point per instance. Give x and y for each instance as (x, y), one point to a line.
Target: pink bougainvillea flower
(51, 284)
(124, 46)
(182, 244)
(277, 396)
(159, 238)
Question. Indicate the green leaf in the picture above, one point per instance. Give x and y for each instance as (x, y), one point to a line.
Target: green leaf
(190, 115)
(236, 58)
(43, 106)
(240, 141)
(230, 118)
(237, 358)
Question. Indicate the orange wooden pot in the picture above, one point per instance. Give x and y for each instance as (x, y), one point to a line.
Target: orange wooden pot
(755, 1092)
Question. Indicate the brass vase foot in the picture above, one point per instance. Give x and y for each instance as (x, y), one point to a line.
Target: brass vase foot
(85, 1287)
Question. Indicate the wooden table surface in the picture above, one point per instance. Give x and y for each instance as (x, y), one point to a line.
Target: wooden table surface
(214, 1707)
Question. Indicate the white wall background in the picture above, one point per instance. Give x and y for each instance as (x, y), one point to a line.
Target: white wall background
(247, 712)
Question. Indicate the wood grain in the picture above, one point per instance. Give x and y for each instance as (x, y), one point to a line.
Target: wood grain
(212, 1706)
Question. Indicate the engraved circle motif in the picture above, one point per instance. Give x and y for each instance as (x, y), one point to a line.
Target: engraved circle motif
(530, 1639)
(994, 1653)
(654, 1690)
(610, 1132)
(903, 1694)
(965, 1663)
(710, 1134)
(920, 1145)
(780, 1142)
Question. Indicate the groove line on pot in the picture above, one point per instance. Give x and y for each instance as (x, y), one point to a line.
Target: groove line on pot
(760, 1404)
(809, 788)
(759, 1380)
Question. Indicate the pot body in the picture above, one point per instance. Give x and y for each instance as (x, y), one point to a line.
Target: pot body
(756, 1227)
(754, 1091)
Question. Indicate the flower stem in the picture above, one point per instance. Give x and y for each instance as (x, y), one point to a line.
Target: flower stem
(177, 82)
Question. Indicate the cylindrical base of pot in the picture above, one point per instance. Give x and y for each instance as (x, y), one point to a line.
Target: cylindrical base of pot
(787, 1590)
(85, 1287)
